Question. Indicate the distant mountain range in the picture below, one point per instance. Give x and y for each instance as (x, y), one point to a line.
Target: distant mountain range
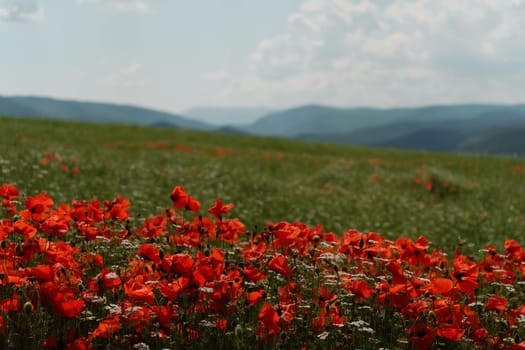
(496, 129)
(43, 107)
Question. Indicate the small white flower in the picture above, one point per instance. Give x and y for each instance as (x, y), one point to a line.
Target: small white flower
(111, 275)
(358, 323)
(95, 299)
(323, 335)
(367, 330)
(141, 346)
(114, 309)
(206, 323)
(206, 290)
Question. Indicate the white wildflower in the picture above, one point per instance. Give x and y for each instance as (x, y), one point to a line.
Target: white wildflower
(114, 309)
(323, 335)
(141, 346)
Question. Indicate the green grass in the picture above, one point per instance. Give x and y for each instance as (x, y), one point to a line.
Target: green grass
(272, 179)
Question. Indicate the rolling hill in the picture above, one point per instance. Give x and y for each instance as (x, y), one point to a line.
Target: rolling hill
(43, 107)
(477, 134)
(322, 122)
(450, 128)
(318, 119)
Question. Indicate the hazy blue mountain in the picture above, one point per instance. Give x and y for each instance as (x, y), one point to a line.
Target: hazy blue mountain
(497, 131)
(42, 107)
(227, 115)
(508, 141)
(440, 140)
(319, 120)
(455, 128)
(325, 123)
(230, 129)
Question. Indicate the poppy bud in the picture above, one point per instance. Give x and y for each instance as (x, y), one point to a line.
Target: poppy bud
(238, 330)
(432, 315)
(28, 307)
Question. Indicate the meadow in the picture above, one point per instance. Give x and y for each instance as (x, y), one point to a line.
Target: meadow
(311, 254)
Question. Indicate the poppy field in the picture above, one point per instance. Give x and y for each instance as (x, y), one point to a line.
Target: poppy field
(126, 237)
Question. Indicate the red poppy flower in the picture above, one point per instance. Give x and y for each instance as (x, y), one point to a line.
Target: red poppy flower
(98, 260)
(519, 346)
(421, 336)
(42, 272)
(110, 280)
(513, 249)
(179, 197)
(136, 290)
(181, 264)
(26, 229)
(118, 209)
(51, 342)
(182, 200)
(9, 192)
(253, 274)
(465, 274)
(480, 336)
(69, 308)
(326, 296)
(37, 207)
(221, 324)
(254, 297)
(451, 331)
(279, 264)
(361, 289)
(10, 304)
(254, 252)
(171, 290)
(149, 251)
(56, 224)
(79, 344)
(441, 286)
(6, 228)
(219, 209)
(269, 317)
(193, 205)
(106, 328)
(496, 303)
(61, 299)
(153, 227)
(229, 230)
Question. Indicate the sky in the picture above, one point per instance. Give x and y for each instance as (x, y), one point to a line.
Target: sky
(173, 55)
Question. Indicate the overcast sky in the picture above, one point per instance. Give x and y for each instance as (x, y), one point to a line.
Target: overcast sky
(176, 54)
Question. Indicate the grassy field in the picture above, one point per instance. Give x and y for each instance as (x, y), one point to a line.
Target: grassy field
(273, 180)
(404, 260)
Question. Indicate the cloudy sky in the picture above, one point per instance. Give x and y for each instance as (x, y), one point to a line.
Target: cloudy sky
(176, 54)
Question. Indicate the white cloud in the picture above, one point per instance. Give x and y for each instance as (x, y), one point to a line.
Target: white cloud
(128, 77)
(215, 76)
(20, 11)
(398, 52)
(129, 6)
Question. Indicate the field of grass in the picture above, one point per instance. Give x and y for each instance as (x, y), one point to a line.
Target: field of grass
(312, 289)
(270, 179)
